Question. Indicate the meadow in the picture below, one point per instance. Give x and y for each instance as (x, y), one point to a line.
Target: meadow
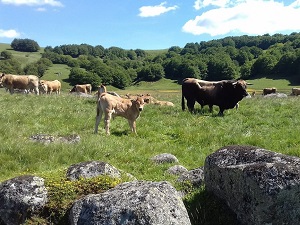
(271, 123)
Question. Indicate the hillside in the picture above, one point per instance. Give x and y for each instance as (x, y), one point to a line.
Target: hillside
(283, 84)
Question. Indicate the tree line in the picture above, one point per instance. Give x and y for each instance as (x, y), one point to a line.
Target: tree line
(243, 57)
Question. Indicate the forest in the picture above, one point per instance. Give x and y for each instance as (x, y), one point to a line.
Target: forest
(235, 57)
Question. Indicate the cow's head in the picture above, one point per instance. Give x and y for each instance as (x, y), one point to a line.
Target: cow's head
(139, 103)
(73, 89)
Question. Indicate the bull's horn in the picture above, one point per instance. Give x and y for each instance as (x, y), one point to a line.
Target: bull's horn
(249, 83)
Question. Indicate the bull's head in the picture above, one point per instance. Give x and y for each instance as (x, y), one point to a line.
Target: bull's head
(243, 83)
(241, 86)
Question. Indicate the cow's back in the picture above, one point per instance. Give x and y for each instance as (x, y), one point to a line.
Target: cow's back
(15, 81)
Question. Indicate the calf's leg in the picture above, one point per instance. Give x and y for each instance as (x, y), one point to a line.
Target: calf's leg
(98, 119)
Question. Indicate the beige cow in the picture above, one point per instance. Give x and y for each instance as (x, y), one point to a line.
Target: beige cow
(267, 91)
(295, 91)
(50, 86)
(83, 88)
(22, 82)
(113, 106)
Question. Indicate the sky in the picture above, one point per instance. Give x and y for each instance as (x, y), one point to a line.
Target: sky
(143, 24)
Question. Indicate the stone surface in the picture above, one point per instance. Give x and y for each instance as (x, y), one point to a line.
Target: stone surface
(195, 177)
(164, 158)
(260, 186)
(177, 170)
(132, 203)
(91, 169)
(21, 197)
(47, 139)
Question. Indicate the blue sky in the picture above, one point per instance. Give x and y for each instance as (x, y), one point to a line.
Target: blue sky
(144, 24)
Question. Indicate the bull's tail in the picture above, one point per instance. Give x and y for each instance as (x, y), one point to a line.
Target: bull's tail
(182, 103)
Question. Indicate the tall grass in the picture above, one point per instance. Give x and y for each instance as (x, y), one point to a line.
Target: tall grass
(273, 124)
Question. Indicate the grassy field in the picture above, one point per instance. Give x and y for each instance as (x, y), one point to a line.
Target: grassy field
(270, 123)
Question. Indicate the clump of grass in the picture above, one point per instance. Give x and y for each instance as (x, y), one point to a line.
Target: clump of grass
(62, 193)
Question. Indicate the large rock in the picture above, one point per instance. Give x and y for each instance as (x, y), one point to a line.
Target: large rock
(92, 169)
(21, 197)
(260, 186)
(133, 203)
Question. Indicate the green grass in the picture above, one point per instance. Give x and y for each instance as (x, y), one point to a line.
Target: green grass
(272, 124)
(268, 123)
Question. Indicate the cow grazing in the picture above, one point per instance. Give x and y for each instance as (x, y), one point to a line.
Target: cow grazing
(50, 86)
(113, 106)
(22, 82)
(225, 94)
(267, 91)
(295, 91)
(82, 88)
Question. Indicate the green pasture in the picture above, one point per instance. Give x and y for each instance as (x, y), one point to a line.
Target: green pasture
(269, 123)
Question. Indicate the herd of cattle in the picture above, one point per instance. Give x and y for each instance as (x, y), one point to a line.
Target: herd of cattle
(225, 94)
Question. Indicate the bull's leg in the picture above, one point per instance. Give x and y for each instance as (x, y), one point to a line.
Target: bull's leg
(11, 90)
(221, 112)
(191, 105)
(132, 125)
(98, 119)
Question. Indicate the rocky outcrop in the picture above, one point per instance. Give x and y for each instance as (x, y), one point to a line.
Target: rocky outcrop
(195, 177)
(47, 139)
(177, 170)
(260, 186)
(164, 158)
(91, 169)
(21, 197)
(133, 203)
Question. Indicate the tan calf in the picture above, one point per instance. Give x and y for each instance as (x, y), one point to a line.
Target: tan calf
(113, 106)
(50, 86)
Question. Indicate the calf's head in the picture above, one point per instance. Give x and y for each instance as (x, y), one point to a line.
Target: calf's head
(139, 103)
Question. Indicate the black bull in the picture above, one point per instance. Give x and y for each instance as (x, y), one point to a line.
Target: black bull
(225, 94)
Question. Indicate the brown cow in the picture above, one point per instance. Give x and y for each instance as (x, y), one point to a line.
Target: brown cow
(83, 88)
(113, 106)
(225, 94)
(267, 91)
(193, 82)
(23, 82)
(295, 91)
(50, 86)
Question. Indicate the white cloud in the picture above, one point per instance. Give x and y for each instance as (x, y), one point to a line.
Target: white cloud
(33, 2)
(204, 3)
(150, 11)
(9, 33)
(41, 9)
(253, 17)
